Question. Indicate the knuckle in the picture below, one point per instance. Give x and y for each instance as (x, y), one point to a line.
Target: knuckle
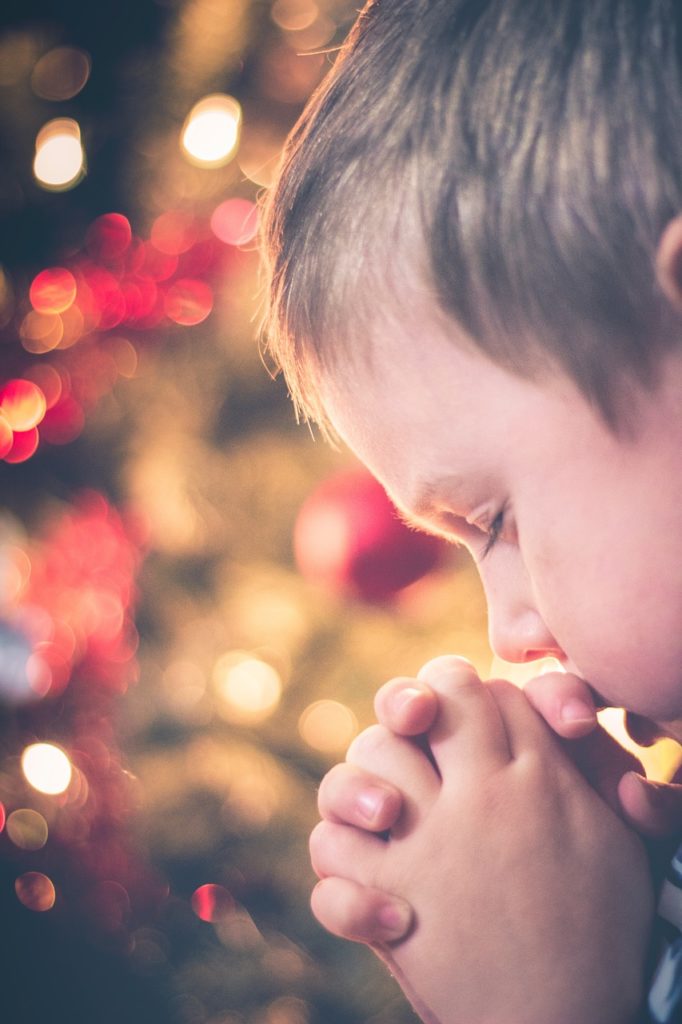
(316, 846)
(449, 670)
(367, 745)
(333, 783)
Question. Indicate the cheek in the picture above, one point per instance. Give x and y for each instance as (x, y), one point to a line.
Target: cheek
(618, 625)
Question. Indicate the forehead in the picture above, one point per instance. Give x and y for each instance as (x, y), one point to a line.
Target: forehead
(429, 412)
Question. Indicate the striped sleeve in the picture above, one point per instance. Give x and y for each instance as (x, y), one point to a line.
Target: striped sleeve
(664, 1002)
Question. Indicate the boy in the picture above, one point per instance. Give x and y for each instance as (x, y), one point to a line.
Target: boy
(476, 282)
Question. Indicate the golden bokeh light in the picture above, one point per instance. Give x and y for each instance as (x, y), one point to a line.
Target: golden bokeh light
(36, 891)
(249, 689)
(47, 768)
(27, 829)
(22, 404)
(59, 162)
(53, 290)
(211, 132)
(294, 15)
(61, 73)
(41, 332)
(328, 726)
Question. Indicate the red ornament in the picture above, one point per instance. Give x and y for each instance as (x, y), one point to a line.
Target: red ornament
(349, 538)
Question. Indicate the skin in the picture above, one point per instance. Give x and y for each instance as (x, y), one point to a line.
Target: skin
(514, 868)
(584, 568)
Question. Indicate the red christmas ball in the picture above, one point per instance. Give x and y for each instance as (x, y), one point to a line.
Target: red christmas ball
(348, 537)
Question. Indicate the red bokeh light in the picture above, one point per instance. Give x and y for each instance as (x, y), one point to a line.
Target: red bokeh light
(188, 301)
(22, 404)
(109, 237)
(212, 902)
(6, 437)
(174, 232)
(235, 221)
(24, 445)
(49, 380)
(349, 539)
(53, 290)
(64, 421)
(157, 265)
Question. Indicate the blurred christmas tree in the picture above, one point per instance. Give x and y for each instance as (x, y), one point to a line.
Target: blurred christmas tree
(171, 687)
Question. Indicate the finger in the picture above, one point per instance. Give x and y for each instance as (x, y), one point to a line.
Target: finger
(400, 763)
(361, 914)
(469, 732)
(653, 808)
(345, 851)
(603, 762)
(349, 795)
(564, 701)
(406, 706)
(526, 730)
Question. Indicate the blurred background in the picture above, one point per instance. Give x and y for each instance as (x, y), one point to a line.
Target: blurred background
(198, 599)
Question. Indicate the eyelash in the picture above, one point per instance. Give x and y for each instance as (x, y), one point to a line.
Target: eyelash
(494, 531)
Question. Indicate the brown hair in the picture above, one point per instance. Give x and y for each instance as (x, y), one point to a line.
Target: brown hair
(515, 159)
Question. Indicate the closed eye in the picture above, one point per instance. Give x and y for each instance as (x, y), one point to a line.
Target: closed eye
(423, 526)
(493, 533)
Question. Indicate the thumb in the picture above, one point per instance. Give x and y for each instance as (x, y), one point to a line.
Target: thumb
(565, 702)
(653, 808)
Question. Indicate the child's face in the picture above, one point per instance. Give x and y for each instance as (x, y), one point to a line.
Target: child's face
(588, 564)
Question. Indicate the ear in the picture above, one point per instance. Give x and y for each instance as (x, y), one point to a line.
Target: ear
(669, 263)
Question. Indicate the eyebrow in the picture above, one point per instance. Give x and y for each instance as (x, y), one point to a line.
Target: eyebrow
(426, 492)
(423, 502)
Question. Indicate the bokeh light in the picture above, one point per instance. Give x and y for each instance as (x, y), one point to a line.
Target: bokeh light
(173, 233)
(294, 15)
(6, 437)
(328, 726)
(235, 221)
(212, 902)
(188, 301)
(249, 689)
(47, 768)
(53, 290)
(24, 445)
(211, 131)
(22, 404)
(61, 73)
(109, 237)
(36, 891)
(41, 332)
(27, 829)
(59, 161)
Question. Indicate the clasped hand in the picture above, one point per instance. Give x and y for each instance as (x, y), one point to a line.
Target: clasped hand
(478, 861)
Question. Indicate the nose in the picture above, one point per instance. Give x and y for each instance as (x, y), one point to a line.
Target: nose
(516, 628)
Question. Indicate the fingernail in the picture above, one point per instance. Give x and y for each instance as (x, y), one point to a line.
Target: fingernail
(370, 803)
(576, 710)
(657, 794)
(395, 919)
(406, 696)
